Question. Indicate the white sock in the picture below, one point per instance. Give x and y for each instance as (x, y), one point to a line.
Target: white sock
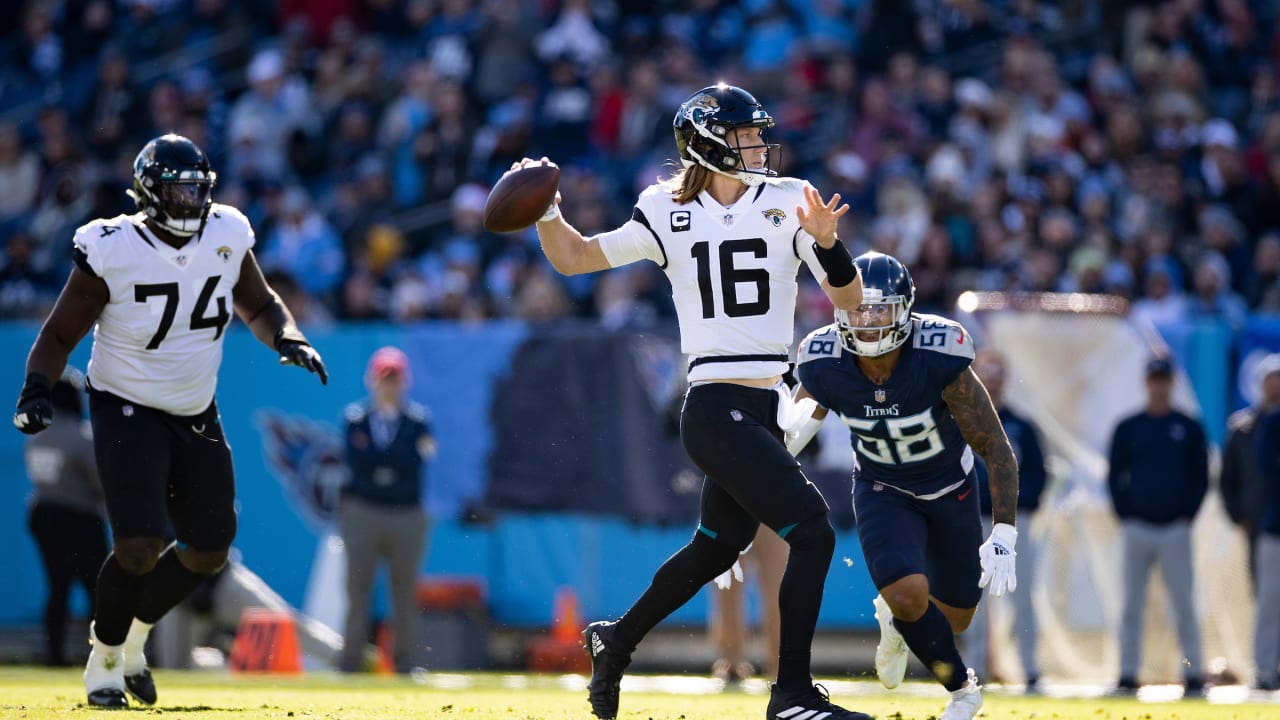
(105, 664)
(135, 659)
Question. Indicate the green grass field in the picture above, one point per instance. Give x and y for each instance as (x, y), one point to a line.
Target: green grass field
(39, 694)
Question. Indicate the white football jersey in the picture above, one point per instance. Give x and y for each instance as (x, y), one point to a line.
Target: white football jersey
(158, 342)
(732, 272)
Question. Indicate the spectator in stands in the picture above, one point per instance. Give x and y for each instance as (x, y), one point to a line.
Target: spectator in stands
(1024, 436)
(66, 512)
(1242, 485)
(1158, 476)
(381, 515)
(1266, 636)
(304, 245)
(19, 175)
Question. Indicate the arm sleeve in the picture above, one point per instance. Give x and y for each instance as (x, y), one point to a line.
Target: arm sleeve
(86, 252)
(635, 240)
(803, 242)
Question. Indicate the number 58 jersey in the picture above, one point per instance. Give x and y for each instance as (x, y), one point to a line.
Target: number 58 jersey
(158, 342)
(732, 271)
(903, 433)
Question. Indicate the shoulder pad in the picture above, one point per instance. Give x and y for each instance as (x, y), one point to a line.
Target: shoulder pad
(787, 184)
(417, 412)
(355, 412)
(941, 335)
(655, 191)
(227, 214)
(821, 343)
(95, 230)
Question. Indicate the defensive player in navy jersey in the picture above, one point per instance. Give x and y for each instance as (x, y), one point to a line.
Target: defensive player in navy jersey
(157, 287)
(916, 411)
(731, 236)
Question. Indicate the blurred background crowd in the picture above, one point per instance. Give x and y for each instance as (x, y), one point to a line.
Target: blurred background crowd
(1114, 146)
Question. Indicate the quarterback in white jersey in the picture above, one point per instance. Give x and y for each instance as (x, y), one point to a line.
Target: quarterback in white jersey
(732, 271)
(159, 286)
(731, 237)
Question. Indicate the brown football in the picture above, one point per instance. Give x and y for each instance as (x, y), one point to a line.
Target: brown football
(520, 198)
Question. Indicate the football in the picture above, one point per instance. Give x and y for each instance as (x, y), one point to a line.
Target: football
(520, 198)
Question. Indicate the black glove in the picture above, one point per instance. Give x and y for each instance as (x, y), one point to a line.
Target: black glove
(35, 410)
(297, 352)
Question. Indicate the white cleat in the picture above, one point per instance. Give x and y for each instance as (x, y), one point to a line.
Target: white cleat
(891, 653)
(104, 676)
(965, 702)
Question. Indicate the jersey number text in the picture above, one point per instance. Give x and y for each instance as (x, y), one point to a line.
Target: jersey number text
(731, 277)
(914, 438)
(199, 321)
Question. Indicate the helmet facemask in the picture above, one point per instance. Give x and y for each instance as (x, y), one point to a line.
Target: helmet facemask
(179, 205)
(881, 324)
(173, 185)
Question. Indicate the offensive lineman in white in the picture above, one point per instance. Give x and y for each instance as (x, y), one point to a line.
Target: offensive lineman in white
(158, 285)
(731, 236)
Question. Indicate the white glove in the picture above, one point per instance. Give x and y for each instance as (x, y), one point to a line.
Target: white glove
(997, 557)
(725, 579)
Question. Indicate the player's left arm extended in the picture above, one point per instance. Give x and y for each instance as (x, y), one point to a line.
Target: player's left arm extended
(980, 424)
(842, 285)
(270, 320)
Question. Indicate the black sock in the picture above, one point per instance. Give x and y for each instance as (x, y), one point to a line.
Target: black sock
(167, 585)
(931, 639)
(800, 598)
(117, 600)
(675, 583)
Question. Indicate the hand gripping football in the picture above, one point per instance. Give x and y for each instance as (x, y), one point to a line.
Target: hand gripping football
(520, 198)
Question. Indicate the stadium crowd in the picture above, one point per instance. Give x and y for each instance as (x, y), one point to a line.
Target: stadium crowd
(1081, 145)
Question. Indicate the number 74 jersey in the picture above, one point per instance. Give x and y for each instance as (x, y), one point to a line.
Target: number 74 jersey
(158, 342)
(903, 433)
(732, 271)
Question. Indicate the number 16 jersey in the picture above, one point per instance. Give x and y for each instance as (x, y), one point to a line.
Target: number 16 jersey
(732, 271)
(158, 342)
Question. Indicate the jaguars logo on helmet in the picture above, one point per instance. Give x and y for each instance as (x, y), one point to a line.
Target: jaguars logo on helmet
(702, 126)
(173, 184)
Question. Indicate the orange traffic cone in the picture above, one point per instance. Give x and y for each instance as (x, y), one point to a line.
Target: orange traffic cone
(266, 641)
(566, 619)
(561, 651)
(386, 640)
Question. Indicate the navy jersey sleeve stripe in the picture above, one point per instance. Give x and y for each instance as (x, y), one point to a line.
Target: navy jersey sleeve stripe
(795, 247)
(82, 261)
(639, 217)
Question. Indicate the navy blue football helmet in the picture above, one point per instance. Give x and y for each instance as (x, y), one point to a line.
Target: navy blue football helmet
(173, 184)
(702, 126)
(883, 321)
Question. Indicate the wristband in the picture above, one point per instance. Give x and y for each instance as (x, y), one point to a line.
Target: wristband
(552, 213)
(838, 263)
(291, 333)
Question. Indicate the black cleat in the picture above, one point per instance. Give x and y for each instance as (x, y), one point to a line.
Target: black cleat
(607, 664)
(141, 686)
(811, 704)
(109, 697)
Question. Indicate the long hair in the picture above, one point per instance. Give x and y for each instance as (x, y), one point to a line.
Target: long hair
(687, 183)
